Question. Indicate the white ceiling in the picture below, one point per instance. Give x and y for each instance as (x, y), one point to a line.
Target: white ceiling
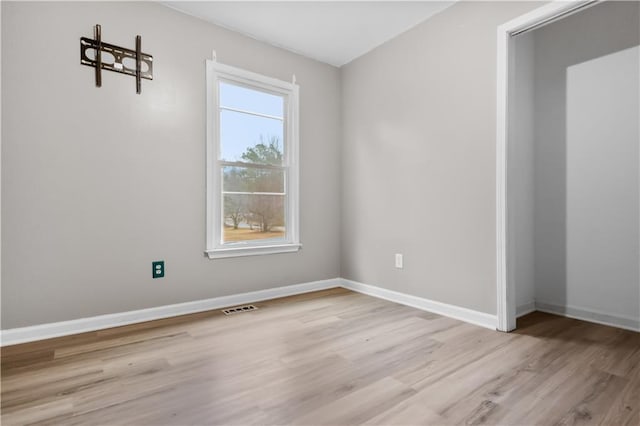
(332, 32)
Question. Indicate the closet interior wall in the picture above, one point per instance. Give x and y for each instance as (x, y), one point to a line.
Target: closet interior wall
(574, 166)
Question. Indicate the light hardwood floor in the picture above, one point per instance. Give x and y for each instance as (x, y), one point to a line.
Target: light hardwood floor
(331, 357)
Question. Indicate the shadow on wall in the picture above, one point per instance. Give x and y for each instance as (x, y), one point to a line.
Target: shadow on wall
(586, 162)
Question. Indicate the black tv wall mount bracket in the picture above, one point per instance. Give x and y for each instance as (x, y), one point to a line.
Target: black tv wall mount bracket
(104, 56)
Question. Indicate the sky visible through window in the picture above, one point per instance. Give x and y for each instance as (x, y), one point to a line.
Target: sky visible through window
(239, 131)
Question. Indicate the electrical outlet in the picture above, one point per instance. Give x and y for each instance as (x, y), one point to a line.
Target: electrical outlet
(399, 261)
(158, 269)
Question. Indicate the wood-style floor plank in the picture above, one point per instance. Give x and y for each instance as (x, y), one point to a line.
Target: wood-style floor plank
(331, 357)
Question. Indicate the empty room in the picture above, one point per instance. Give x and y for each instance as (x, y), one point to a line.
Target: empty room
(320, 213)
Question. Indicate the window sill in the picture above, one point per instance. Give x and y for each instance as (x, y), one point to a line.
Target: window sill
(222, 253)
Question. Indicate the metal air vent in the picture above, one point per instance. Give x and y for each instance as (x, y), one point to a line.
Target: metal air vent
(238, 309)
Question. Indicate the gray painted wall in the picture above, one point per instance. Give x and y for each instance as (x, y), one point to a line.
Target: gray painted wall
(520, 155)
(419, 118)
(97, 183)
(586, 160)
(83, 215)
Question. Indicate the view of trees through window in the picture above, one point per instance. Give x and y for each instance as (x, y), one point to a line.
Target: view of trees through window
(254, 196)
(252, 166)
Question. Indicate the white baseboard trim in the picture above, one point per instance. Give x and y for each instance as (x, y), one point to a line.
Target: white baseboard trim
(463, 314)
(628, 323)
(64, 328)
(525, 309)
(82, 325)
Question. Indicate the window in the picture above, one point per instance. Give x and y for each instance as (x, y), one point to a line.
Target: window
(252, 163)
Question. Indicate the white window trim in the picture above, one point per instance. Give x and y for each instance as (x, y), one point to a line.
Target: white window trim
(215, 249)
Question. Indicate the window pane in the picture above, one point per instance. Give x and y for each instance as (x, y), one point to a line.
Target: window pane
(250, 217)
(238, 97)
(249, 179)
(245, 137)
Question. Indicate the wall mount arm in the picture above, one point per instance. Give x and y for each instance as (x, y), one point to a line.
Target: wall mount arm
(104, 56)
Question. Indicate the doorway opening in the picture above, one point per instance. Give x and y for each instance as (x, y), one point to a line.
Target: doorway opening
(567, 177)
